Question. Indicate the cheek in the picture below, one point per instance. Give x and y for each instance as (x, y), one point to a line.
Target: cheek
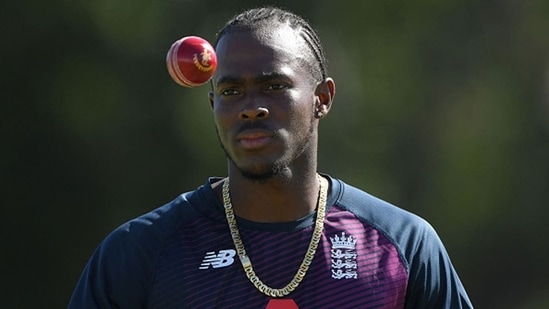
(226, 123)
(221, 115)
(221, 125)
(302, 111)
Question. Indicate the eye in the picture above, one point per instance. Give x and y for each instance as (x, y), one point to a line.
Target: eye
(229, 92)
(277, 87)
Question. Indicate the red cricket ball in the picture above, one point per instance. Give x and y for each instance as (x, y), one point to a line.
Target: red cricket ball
(191, 61)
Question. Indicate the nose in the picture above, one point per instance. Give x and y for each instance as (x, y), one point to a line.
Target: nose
(253, 112)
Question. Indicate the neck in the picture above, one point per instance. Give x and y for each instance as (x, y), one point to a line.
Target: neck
(283, 198)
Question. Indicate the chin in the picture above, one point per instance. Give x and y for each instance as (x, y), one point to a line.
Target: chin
(258, 170)
(264, 173)
(259, 175)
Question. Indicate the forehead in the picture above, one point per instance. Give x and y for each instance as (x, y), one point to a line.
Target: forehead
(242, 52)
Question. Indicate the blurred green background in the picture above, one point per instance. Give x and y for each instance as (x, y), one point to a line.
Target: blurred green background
(442, 108)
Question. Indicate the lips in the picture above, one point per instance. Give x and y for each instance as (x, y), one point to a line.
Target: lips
(254, 139)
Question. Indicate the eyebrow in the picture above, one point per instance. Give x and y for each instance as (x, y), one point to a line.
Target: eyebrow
(263, 77)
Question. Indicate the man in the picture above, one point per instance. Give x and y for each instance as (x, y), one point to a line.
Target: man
(274, 233)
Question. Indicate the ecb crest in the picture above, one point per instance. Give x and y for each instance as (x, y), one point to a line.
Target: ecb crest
(344, 264)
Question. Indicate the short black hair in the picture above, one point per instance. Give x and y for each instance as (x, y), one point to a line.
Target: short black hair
(262, 17)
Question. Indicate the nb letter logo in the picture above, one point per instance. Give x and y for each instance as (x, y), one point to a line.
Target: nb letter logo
(216, 260)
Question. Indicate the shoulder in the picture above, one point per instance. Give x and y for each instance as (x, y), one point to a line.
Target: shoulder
(413, 237)
(399, 225)
(122, 267)
(432, 279)
(141, 238)
(152, 227)
(150, 230)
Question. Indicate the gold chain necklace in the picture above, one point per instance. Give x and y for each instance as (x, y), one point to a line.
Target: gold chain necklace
(245, 260)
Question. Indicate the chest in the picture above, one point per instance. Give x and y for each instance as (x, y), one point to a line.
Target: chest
(353, 266)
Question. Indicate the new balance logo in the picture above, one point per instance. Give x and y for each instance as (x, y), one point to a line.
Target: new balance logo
(222, 259)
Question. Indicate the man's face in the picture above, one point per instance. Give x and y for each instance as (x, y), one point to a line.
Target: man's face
(263, 101)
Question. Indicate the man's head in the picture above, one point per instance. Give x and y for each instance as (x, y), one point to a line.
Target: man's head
(268, 92)
(263, 20)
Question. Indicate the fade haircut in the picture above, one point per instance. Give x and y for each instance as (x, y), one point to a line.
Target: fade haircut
(266, 18)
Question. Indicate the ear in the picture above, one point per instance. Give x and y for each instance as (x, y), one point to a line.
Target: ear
(211, 98)
(325, 92)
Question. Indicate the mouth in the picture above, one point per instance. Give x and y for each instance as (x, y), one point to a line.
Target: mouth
(254, 139)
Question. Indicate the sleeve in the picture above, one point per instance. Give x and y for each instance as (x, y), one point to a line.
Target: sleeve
(117, 275)
(433, 281)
